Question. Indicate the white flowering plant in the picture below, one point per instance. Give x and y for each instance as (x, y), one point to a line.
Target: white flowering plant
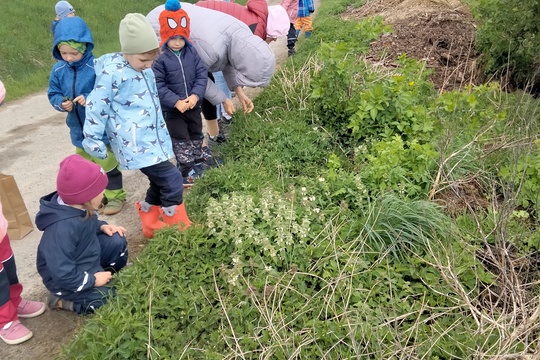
(268, 232)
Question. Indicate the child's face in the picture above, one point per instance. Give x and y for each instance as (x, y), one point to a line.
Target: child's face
(96, 202)
(69, 54)
(176, 43)
(140, 62)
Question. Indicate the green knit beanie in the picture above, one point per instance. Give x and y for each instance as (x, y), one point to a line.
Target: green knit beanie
(137, 35)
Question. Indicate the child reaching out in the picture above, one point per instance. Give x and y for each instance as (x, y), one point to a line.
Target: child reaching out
(78, 253)
(181, 79)
(125, 105)
(71, 80)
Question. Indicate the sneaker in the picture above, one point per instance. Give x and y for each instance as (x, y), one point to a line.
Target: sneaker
(29, 309)
(189, 180)
(291, 52)
(55, 303)
(210, 161)
(112, 207)
(218, 139)
(224, 124)
(14, 333)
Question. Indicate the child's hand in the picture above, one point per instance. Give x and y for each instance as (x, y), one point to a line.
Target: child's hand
(192, 100)
(80, 99)
(102, 278)
(181, 105)
(67, 105)
(111, 229)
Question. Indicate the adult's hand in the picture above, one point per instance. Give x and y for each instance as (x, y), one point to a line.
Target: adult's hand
(244, 100)
(229, 107)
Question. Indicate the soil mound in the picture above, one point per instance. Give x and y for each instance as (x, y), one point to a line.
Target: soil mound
(439, 32)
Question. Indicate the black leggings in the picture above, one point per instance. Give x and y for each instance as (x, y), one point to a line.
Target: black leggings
(209, 111)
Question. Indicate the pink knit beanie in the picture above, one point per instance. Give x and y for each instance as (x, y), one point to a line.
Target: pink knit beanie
(278, 23)
(79, 180)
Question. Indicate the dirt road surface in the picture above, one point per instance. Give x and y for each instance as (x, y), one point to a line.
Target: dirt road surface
(33, 141)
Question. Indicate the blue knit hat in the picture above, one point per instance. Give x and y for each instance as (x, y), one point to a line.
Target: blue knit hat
(63, 9)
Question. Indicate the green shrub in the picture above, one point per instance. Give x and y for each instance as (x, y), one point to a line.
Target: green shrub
(507, 37)
(393, 164)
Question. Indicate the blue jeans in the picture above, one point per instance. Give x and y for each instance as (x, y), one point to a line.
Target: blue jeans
(219, 80)
(166, 184)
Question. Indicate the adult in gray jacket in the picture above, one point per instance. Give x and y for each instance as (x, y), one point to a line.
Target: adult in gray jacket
(226, 44)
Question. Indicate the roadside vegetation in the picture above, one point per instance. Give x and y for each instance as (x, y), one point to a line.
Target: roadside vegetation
(360, 213)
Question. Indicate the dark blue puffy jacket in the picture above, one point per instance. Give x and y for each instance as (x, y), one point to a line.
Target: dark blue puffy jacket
(69, 253)
(178, 76)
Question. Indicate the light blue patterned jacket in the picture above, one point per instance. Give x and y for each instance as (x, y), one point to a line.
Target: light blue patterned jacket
(125, 105)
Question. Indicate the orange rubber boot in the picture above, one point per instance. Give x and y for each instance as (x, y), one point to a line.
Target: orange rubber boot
(179, 218)
(150, 220)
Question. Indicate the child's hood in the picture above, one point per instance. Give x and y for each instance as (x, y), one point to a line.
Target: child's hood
(50, 212)
(111, 59)
(75, 29)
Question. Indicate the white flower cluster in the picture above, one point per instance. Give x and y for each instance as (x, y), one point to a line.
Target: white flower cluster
(269, 227)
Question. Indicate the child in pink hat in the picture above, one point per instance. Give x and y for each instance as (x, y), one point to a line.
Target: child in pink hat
(78, 253)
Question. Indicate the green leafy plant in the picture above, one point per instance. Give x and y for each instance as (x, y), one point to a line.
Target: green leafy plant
(395, 165)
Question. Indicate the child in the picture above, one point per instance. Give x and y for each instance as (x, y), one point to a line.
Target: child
(71, 80)
(305, 8)
(63, 9)
(12, 306)
(181, 79)
(78, 253)
(292, 10)
(125, 104)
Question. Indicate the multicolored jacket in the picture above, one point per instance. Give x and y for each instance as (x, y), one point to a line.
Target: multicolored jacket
(305, 8)
(254, 14)
(69, 80)
(125, 105)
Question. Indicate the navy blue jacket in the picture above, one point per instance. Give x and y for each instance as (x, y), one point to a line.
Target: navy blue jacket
(69, 80)
(177, 77)
(69, 253)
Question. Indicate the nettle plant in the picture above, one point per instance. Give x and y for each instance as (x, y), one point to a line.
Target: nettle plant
(405, 167)
(394, 104)
(341, 74)
(266, 232)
